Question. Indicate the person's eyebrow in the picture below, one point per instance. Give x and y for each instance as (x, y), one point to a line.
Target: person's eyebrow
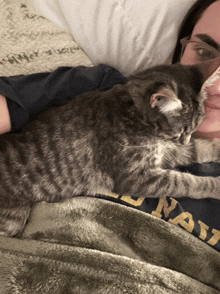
(208, 40)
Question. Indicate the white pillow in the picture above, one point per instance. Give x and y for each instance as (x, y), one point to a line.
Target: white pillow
(129, 35)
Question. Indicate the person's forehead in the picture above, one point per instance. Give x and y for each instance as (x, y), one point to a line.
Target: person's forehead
(209, 23)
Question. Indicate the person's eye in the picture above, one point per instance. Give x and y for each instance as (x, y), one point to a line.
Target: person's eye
(203, 53)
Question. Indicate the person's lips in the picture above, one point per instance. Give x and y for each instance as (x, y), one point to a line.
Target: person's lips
(211, 105)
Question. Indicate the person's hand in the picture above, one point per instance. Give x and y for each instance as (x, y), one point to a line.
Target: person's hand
(5, 122)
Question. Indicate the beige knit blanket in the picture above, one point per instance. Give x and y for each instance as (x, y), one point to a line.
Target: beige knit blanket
(29, 43)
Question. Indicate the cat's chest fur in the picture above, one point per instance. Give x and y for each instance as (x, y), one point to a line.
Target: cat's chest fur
(162, 151)
(164, 154)
(151, 155)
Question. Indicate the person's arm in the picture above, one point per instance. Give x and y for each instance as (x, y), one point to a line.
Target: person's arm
(29, 95)
(5, 122)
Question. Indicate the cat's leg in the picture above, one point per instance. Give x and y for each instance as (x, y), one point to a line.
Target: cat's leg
(13, 220)
(197, 151)
(161, 183)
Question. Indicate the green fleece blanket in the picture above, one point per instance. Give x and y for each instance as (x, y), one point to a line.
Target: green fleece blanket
(89, 245)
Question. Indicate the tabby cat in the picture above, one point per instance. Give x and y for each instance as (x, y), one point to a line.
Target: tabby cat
(127, 140)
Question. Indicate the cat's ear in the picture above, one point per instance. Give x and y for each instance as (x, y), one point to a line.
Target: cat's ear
(166, 100)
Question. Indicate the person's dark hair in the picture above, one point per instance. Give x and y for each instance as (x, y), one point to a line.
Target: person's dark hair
(189, 22)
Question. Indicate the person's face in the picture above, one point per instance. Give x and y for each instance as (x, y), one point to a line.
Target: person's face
(208, 28)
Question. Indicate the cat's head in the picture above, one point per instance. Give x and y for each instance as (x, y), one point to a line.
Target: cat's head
(169, 99)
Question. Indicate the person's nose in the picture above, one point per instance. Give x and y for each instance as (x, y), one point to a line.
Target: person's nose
(213, 83)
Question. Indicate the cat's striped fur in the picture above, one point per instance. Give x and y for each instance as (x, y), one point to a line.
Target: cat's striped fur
(126, 140)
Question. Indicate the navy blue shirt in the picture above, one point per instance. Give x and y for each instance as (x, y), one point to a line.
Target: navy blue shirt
(28, 95)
